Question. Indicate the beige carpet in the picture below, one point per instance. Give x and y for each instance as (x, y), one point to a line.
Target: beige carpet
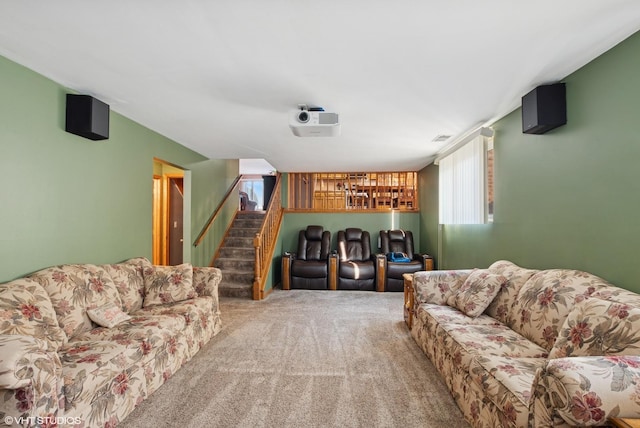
(306, 358)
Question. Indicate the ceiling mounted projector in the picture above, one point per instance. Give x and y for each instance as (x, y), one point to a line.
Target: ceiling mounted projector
(314, 122)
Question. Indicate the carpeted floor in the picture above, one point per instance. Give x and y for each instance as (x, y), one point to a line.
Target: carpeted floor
(305, 358)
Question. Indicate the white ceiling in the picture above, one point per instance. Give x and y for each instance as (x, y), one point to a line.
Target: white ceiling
(220, 76)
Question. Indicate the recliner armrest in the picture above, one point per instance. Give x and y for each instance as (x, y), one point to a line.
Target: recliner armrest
(333, 270)
(426, 260)
(381, 271)
(287, 259)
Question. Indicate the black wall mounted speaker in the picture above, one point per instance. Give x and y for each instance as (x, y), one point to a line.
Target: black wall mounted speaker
(87, 117)
(544, 109)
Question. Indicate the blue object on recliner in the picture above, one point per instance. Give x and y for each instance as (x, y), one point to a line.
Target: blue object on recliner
(398, 257)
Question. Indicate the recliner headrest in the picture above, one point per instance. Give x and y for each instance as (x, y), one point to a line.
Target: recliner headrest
(396, 235)
(314, 233)
(353, 234)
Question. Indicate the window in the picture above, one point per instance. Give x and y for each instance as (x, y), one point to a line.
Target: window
(464, 193)
(342, 191)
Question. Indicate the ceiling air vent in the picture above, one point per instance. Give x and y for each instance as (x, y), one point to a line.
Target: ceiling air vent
(441, 138)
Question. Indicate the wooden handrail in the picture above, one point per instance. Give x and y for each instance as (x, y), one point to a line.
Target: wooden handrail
(207, 226)
(265, 240)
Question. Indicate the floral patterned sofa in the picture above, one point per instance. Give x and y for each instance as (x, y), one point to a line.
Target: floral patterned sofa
(526, 348)
(81, 345)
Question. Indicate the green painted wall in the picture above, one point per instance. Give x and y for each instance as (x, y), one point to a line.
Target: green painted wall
(569, 198)
(428, 188)
(67, 199)
(210, 181)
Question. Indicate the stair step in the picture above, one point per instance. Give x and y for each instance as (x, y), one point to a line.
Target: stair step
(248, 223)
(243, 232)
(237, 253)
(238, 241)
(238, 276)
(234, 264)
(235, 290)
(251, 214)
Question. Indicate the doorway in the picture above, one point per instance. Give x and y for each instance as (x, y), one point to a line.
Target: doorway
(175, 215)
(168, 214)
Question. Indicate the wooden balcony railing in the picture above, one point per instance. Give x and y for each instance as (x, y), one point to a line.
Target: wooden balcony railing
(373, 191)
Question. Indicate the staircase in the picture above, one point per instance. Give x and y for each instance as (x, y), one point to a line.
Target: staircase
(236, 258)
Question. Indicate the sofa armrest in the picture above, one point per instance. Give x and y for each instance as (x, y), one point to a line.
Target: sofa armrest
(206, 281)
(435, 286)
(30, 378)
(587, 391)
(14, 359)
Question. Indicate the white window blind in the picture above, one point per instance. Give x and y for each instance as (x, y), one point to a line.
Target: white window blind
(462, 184)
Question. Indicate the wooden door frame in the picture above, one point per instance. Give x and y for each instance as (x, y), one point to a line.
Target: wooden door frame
(156, 221)
(160, 212)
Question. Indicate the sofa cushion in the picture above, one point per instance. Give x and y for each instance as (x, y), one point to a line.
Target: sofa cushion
(167, 284)
(75, 288)
(147, 337)
(129, 281)
(450, 315)
(90, 367)
(599, 327)
(545, 300)
(190, 310)
(437, 286)
(477, 292)
(140, 328)
(502, 306)
(508, 383)
(103, 382)
(108, 315)
(465, 342)
(25, 309)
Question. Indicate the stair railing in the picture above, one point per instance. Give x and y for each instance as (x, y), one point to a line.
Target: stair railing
(215, 213)
(265, 240)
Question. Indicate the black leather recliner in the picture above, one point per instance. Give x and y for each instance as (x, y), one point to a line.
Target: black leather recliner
(356, 265)
(308, 268)
(390, 273)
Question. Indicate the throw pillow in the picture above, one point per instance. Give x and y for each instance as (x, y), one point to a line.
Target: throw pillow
(108, 315)
(599, 327)
(436, 286)
(477, 292)
(129, 281)
(168, 284)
